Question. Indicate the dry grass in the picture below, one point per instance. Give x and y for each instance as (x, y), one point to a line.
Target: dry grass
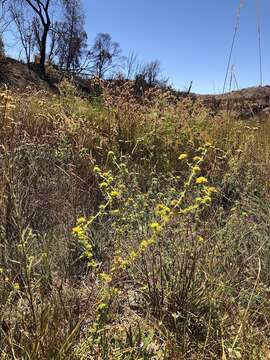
(158, 266)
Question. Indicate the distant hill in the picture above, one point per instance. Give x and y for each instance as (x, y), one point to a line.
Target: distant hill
(244, 103)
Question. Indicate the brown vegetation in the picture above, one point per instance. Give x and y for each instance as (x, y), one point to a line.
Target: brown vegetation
(132, 230)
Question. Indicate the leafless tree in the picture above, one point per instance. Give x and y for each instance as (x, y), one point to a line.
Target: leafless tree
(25, 32)
(131, 65)
(105, 56)
(72, 38)
(2, 47)
(149, 75)
(151, 72)
(52, 36)
(41, 10)
(4, 18)
(54, 39)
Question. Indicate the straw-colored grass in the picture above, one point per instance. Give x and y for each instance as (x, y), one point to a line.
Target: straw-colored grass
(132, 228)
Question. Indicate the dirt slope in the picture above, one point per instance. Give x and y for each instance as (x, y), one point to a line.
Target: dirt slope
(18, 76)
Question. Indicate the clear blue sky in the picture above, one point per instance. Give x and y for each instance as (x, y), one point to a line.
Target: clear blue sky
(191, 38)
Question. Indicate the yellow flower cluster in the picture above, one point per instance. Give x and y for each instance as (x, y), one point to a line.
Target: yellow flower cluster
(114, 194)
(181, 204)
(162, 210)
(105, 277)
(77, 230)
(156, 227)
(182, 157)
(146, 243)
(201, 180)
(196, 169)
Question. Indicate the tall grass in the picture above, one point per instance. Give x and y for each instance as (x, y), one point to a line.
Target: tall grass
(132, 228)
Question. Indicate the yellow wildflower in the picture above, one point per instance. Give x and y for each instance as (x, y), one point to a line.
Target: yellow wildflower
(156, 227)
(182, 156)
(114, 194)
(77, 230)
(201, 180)
(144, 245)
(102, 306)
(196, 169)
(207, 199)
(81, 220)
(211, 189)
(97, 169)
(105, 277)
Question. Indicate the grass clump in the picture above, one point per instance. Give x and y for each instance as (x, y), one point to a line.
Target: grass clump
(132, 229)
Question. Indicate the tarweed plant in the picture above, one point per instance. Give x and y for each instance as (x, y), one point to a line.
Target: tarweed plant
(132, 227)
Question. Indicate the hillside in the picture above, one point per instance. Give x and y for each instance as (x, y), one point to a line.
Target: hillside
(243, 103)
(17, 76)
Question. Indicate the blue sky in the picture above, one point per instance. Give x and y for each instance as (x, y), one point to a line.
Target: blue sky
(191, 38)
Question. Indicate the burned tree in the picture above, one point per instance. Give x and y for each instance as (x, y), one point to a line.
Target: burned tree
(72, 38)
(41, 9)
(105, 55)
